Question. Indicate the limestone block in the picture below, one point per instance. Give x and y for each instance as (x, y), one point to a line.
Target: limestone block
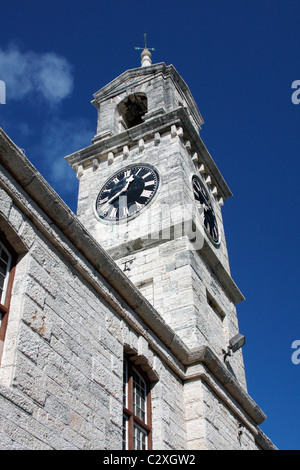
(31, 380)
(27, 234)
(29, 343)
(15, 218)
(5, 203)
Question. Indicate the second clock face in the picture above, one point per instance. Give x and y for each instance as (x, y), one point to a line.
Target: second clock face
(127, 192)
(205, 209)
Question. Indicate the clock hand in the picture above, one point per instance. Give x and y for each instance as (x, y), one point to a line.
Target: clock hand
(129, 180)
(115, 196)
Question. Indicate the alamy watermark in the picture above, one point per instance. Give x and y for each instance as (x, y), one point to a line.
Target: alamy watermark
(296, 354)
(296, 94)
(167, 223)
(2, 92)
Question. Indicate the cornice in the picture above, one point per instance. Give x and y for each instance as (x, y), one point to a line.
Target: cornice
(158, 124)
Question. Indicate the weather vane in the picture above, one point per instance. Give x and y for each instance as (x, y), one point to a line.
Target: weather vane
(146, 54)
(149, 48)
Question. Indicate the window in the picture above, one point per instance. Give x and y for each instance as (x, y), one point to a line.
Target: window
(137, 409)
(7, 268)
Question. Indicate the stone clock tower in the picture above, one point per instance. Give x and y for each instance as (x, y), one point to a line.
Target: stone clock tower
(151, 195)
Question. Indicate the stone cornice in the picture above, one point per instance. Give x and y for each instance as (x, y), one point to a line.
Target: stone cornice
(160, 124)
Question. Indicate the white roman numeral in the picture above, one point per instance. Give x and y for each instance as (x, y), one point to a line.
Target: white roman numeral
(146, 193)
(125, 211)
(113, 212)
(103, 208)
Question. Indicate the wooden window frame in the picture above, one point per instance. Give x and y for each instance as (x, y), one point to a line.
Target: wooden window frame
(128, 413)
(4, 308)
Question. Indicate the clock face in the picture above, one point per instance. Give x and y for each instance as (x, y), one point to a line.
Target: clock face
(205, 209)
(127, 192)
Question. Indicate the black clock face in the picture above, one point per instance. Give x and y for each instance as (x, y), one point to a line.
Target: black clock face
(205, 208)
(127, 192)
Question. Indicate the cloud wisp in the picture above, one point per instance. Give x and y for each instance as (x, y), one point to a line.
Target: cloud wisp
(47, 76)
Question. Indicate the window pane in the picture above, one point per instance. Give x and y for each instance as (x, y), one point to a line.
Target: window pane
(125, 384)
(4, 255)
(139, 396)
(4, 270)
(140, 438)
(3, 267)
(2, 279)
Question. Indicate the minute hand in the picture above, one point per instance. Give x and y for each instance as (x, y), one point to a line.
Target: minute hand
(129, 180)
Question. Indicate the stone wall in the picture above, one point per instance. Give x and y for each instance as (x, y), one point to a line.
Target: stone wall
(62, 368)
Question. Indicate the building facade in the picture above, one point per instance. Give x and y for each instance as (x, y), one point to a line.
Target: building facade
(118, 324)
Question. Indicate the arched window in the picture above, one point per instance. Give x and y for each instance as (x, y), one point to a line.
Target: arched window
(137, 431)
(132, 109)
(7, 268)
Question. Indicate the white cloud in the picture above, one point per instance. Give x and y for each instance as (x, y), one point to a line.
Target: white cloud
(47, 77)
(30, 74)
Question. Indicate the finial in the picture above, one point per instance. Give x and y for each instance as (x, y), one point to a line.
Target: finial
(146, 54)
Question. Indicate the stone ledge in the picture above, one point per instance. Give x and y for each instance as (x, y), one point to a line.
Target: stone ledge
(205, 355)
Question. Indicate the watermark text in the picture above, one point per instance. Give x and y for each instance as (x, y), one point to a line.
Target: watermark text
(296, 94)
(2, 92)
(296, 354)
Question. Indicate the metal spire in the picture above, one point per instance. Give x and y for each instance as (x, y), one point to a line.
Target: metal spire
(146, 54)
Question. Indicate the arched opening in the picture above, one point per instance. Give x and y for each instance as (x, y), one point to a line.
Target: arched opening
(132, 109)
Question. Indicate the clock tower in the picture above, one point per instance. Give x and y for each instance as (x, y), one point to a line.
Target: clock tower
(151, 194)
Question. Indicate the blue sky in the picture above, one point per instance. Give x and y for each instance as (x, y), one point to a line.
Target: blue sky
(239, 59)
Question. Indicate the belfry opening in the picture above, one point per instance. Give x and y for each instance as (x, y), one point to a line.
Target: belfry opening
(132, 109)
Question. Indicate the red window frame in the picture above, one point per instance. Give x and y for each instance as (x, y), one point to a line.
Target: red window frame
(131, 422)
(4, 307)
